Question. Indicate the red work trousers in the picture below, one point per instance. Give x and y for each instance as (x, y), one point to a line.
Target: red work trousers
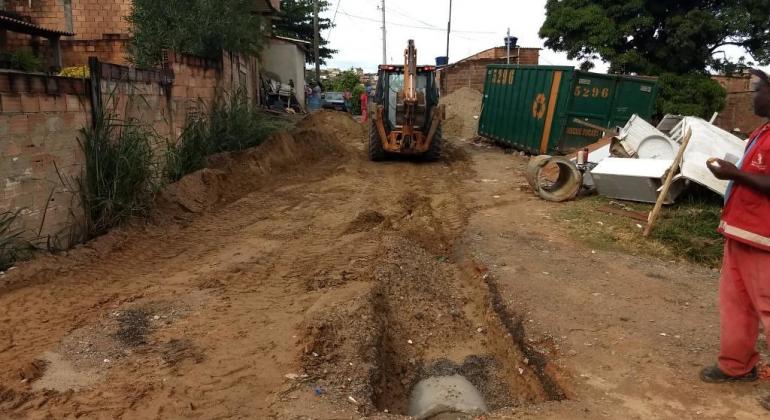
(744, 302)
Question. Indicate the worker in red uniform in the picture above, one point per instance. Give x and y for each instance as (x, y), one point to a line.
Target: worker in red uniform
(364, 106)
(744, 292)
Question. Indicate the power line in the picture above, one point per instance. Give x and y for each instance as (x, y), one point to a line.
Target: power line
(427, 28)
(334, 20)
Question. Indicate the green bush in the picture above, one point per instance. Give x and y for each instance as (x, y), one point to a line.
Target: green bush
(690, 94)
(120, 176)
(199, 27)
(231, 124)
(189, 154)
(22, 60)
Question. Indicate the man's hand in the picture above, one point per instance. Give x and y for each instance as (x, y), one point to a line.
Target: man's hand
(723, 169)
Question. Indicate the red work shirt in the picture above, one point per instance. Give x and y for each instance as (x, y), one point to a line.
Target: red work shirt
(746, 217)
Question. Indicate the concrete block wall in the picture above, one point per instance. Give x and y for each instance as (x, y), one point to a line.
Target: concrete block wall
(40, 157)
(739, 107)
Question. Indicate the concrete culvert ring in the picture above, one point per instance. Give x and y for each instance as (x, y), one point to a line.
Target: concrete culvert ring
(533, 169)
(555, 178)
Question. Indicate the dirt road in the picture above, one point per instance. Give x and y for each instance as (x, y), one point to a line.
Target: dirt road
(301, 281)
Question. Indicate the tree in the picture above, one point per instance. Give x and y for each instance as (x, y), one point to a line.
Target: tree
(658, 36)
(198, 27)
(680, 41)
(296, 21)
(347, 80)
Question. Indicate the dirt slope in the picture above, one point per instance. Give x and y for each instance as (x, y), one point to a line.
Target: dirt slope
(299, 280)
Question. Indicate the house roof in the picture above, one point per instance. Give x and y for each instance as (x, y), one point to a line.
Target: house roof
(20, 26)
(298, 42)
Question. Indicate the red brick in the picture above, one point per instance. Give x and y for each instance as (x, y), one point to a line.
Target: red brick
(10, 103)
(30, 103)
(73, 103)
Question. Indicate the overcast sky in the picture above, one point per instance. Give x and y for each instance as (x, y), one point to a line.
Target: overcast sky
(476, 24)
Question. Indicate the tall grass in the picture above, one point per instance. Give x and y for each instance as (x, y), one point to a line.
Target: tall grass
(189, 154)
(229, 124)
(120, 175)
(12, 246)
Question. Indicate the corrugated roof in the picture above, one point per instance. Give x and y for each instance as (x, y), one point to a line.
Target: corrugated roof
(20, 26)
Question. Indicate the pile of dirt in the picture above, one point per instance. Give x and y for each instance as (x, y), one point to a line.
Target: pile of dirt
(229, 176)
(463, 109)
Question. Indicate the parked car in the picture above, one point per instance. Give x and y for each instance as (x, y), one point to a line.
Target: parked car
(335, 101)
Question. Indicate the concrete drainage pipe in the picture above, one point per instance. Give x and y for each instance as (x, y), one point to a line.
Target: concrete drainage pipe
(554, 178)
(445, 398)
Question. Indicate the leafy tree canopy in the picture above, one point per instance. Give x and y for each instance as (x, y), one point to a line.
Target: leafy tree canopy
(680, 41)
(347, 80)
(658, 36)
(198, 27)
(296, 21)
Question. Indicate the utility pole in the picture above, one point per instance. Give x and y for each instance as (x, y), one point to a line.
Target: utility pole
(448, 30)
(508, 45)
(316, 43)
(384, 36)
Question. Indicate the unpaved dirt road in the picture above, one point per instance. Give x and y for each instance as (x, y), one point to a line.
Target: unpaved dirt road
(299, 280)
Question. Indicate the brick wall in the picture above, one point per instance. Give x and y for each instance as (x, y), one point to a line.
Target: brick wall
(40, 119)
(91, 19)
(94, 18)
(739, 107)
(472, 71)
(76, 53)
(99, 25)
(526, 55)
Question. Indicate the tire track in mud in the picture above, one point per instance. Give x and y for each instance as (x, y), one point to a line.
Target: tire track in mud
(346, 271)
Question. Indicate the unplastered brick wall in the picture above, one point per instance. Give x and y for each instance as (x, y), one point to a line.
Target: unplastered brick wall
(76, 53)
(41, 118)
(45, 13)
(739, 106)
(40, 157)
(472, 72)
(137, 95)
(196, 84)
(90, 19)
(93, 19)
(100, 28)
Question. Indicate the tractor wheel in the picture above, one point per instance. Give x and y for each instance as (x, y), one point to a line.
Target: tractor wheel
(376, 152)
(434, 152)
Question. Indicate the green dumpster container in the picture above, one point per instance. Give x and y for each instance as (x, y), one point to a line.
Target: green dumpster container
(533, 108)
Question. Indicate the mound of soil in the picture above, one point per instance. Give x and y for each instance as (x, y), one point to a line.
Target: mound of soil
(228, 176)
(463, 109)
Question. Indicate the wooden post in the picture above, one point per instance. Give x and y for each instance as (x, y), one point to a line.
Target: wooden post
(667, 185)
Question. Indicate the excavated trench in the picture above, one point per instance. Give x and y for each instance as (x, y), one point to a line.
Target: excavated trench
(438, 320)
(428, 313)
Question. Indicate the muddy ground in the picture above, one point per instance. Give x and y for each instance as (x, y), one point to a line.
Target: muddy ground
(299, 280)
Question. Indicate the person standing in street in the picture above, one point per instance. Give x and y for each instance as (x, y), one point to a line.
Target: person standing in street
(364, 106)
(744, 291)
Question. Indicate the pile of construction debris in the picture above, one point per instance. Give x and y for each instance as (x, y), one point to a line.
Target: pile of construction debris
(634, 163)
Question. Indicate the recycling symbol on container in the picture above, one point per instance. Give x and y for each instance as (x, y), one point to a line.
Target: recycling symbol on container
(538, 107)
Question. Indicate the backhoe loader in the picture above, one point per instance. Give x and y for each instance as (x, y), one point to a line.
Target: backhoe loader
(407, 116)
